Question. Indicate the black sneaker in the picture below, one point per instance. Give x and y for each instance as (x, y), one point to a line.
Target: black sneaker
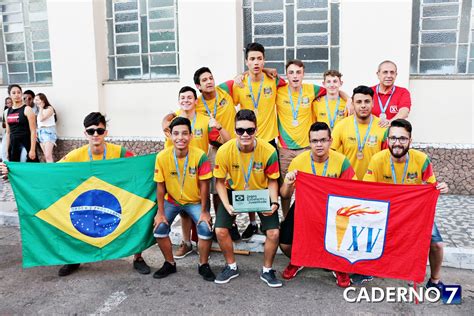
(206, 272)
(140, 265)
(165, 270)
(67, 269)
(226, 275)
(234, 233)
(249, 231)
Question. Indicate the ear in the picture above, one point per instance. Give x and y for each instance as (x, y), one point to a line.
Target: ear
(106, 133)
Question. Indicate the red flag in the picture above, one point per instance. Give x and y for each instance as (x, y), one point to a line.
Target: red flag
(360, 227)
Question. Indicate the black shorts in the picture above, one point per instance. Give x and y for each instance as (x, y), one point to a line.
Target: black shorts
(287, 227)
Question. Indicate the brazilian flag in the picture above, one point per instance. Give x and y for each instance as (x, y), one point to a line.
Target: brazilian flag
(84, 211)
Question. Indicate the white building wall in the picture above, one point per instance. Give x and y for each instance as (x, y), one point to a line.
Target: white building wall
(210, 34)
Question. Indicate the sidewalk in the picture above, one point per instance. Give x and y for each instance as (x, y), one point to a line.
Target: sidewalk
(454, 217)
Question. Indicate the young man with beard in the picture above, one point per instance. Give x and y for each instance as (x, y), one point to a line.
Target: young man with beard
(401, 165)
(359, 136)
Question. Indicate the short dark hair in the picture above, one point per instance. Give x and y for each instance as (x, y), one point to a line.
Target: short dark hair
(180, 121)
(246, 115)
(10, 87)
(332, 73)
(186, 89)
(94, 118)
(401, 123)
(363, 90)
(319, 126)
(296, 62)
(254, 47)
(30, 93)
(199, 72)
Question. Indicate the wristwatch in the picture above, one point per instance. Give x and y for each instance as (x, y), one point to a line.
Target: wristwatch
(275, 203)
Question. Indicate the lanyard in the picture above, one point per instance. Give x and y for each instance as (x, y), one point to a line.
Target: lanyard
(249, 168)
(384, 107)
(255, 103)
(360, 146)
(394, 175)
(332, 119)
(194, 122)
(90, 154)
(207, 107)
(314, 168)
(184, 169)
(293, 110)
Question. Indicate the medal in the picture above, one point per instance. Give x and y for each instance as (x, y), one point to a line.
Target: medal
(295, 110)
(255, 102)
(361, 145)
(360, 155)
(249, 168)
(332, 119)
(383, 116)
(383, 108)
(255, 111)
(246, 186)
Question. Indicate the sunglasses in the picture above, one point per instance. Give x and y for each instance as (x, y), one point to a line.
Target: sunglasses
(91, 131)
(250, 131)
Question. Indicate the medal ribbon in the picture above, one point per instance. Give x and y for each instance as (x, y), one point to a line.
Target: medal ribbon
(314, 168)
(207, 107)
(249, 168)
(332, 119)
(255, 103)
(295, 112)
(186, 161)
(384, 107)
(360, 146)
(90, 153)
(394, 175)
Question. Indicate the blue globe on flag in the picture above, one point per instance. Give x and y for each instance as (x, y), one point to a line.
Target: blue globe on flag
(96, 213)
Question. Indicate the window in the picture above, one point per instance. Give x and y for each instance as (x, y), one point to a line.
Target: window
(442, 37)
(24, 49)
(142, 38)
(295, 29)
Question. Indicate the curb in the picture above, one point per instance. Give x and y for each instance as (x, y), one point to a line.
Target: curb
(460, 258)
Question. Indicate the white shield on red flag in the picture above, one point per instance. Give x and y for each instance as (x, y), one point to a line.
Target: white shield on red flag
(355, 228)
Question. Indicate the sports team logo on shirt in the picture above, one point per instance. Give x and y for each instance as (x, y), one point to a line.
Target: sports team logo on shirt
(173, 173)
(412, 175)
(223, 102)
(267, 91)
(385, 177)
(332, 175)
(235, 166)
(322, 114)
(351, 139)
(372, 140)
(355, 228)
(305, 101)
(192, 171)
(198, 133)
(258, 166)
(340, 113)
(394, 109)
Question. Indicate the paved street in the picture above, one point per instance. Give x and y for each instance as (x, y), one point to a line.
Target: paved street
(113, 287)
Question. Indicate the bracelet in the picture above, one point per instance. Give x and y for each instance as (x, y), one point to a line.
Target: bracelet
(275, 203)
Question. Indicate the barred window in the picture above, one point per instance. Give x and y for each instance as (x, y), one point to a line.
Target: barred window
(142, 38)
(442, 35)
(295, 29)
(24, 52)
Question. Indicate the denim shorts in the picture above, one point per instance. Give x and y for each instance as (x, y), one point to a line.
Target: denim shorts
(435, 235)
(47, 134)
(193, 210)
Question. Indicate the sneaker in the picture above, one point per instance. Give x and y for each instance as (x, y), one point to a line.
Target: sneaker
(358, 279)
(67, 269)
(234, 233)
(165, 270)
(342, 279)
(249, 231)
(291, 271)
(206, 272)
(140, 265)
(439, 285)
(183, 250)
(270, 278)
(226, 275)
